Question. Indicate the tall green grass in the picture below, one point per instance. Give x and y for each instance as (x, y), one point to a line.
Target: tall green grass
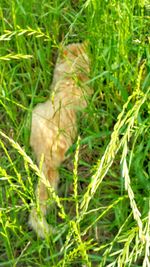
(102, 212)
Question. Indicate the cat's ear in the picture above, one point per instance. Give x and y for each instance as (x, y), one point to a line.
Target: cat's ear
(63, 53)
(71, 49)
(74, 49)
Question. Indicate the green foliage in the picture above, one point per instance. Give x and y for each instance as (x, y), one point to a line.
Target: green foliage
(102, 213)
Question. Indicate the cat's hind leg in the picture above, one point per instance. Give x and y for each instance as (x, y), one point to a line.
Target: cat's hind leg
(37, 217)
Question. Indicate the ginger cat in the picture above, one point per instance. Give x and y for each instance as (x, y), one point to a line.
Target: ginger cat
(54, 124)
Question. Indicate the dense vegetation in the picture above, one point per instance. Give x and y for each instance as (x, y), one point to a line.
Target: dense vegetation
(102, 214)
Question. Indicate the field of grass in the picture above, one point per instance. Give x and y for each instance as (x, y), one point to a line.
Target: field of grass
(102, 212)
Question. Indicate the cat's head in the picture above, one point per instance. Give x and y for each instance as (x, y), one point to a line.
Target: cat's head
(73, 59)
(77, 55)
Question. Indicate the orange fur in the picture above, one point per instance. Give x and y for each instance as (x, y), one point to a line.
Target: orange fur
(54, 125)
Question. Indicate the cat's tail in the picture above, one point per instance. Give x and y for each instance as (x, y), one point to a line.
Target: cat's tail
(44, 189)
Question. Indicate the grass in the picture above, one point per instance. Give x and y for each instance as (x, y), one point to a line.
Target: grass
(102, 216)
